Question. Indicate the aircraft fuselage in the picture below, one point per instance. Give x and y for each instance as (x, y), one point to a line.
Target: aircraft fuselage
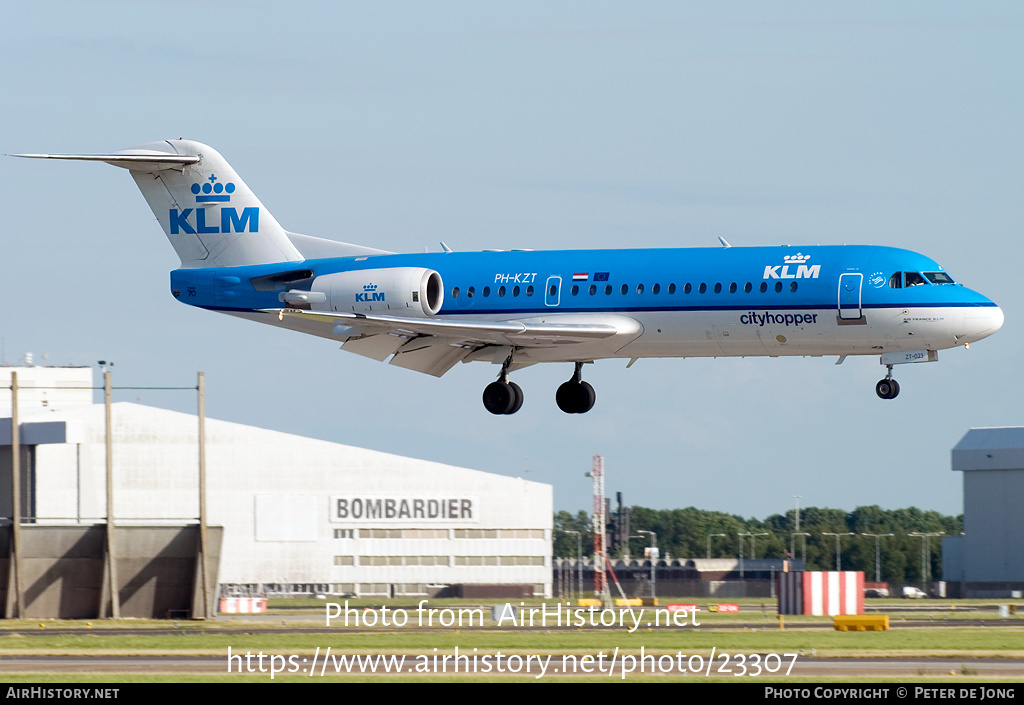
(693, 302)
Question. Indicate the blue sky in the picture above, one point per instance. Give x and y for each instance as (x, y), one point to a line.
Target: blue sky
(547, 126)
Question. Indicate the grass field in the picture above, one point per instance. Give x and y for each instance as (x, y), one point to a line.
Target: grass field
(297, 630)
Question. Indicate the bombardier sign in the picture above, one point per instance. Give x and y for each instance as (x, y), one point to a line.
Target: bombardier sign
(361, 508)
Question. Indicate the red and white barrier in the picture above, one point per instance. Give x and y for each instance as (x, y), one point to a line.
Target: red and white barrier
(243, 605)
(821, 592)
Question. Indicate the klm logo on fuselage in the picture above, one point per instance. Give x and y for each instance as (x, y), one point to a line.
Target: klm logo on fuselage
(800, 268)
(231, 221)
(370, 294)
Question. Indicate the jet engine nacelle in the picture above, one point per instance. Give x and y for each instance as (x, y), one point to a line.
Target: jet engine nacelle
(397, 291)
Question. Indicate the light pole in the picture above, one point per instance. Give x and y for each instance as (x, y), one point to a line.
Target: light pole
(796, 518)
(753, 546)
(878, 554)
(925, 555)
(653, 555)
(710, 536)
(803, 555)
(839, 565)
(741, 553)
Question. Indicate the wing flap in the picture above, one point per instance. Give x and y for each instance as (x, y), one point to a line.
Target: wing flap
(378, 347)
(432, 356)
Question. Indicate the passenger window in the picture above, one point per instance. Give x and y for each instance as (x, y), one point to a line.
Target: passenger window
(639, 288)
(702, 288)
(515, 291)
(764, 287)
(593, 289)
(487, 291)
(529, 290)
(792, 286)
(575, 289)
(469, 292)
(455, 293)
(624, 289)
(687, 289)
(778, 287)
(718, 288)
(501, 291)
(608, 290)
(671, 288)
(747, 287)
(732, 288)
(656, 289)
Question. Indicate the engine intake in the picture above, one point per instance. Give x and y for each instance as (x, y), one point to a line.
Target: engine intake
(398, 291)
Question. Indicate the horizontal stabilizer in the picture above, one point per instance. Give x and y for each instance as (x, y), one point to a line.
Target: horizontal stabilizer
(134, 159)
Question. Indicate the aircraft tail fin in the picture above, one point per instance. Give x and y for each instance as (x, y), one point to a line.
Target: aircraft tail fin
(209, 215)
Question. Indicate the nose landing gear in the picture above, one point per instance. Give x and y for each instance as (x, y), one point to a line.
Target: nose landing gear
(887, 388)
(576, 396)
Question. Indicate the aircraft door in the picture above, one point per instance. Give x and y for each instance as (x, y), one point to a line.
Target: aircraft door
(850, 285)
(552, 291)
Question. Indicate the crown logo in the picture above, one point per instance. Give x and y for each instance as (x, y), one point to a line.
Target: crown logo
(370, 287)
(796, 259)
(213, 191)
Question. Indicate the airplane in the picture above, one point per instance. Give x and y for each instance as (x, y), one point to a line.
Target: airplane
(429, 311)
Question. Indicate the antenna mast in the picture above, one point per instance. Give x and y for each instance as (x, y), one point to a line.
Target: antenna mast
(600, 522)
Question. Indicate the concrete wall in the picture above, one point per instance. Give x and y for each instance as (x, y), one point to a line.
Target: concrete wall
(64, 567)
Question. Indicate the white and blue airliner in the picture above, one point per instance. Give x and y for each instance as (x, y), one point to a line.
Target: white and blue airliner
(427, 312)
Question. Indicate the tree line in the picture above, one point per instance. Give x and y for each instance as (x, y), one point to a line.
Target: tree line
(687, 533)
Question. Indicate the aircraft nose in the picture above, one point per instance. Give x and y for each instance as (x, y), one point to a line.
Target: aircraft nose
(982, 322)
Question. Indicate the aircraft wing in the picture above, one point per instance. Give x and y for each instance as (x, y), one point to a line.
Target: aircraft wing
(434, 345)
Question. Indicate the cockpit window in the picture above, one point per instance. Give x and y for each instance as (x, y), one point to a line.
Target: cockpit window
(896, 281)
(939, 278)
(913, 279)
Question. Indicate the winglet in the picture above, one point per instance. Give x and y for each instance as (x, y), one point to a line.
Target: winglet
(724, 242)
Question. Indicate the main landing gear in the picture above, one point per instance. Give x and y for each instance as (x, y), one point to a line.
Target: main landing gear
(503, 397)
(887, 388)
(575, 396)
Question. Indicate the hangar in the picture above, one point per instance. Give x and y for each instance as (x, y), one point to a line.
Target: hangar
(299, 515)
(988, 560)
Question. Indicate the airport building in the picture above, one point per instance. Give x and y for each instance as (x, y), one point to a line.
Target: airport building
(988, 560)
(298, 515)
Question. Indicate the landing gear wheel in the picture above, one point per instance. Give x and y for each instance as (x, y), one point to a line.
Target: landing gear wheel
(500, 398)
(567, 395)
(503, 397)
(575, 397)
(589, 397)
(887, 388)
(518, 403)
